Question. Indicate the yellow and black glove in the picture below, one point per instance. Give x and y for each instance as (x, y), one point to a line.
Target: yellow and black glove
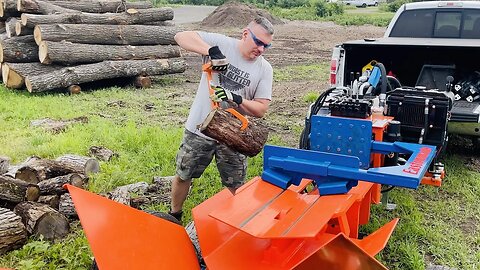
(222, 94)
(219, 61)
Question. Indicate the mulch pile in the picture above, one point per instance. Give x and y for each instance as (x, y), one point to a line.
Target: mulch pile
(235, 14)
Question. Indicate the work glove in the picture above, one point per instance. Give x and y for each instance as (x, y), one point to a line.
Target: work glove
(222, 94)
(219, 61)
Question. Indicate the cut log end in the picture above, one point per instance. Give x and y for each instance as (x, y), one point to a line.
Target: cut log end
(28, 84)
(11, 78)
(1, 53)
(74, 89)
(18, 28)
(23, 19)
(37, 35)
(143, 82)
(43, 53)
(131, 11)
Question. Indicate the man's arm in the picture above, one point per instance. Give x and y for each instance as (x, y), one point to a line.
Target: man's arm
(191, 41)
(257, 107)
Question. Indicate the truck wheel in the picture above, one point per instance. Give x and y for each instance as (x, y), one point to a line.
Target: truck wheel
(158, 214)
(476, 144)
(364, 5)
(376, 4)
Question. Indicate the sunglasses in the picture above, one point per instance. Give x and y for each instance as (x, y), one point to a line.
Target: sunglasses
(258, 42)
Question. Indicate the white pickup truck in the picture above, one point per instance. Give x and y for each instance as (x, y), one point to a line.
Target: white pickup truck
(427, 45)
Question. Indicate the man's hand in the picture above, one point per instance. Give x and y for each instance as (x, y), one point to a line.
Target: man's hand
(219, 61)
(222, 94)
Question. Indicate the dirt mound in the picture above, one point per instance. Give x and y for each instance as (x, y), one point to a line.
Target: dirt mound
(235, 14)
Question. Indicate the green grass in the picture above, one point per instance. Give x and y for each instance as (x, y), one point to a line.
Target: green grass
(313, 72)
(351, 16)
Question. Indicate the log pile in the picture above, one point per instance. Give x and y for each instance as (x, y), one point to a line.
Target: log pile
(62, 45)
(33, 200)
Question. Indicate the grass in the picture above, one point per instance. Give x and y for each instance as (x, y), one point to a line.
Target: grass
(313, 72)
(438, 225)
(351, 16)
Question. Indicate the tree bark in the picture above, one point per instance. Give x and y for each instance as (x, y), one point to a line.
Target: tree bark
(123, 194)
(10, 25)
(106, 34)
(55, 185)
(81, 164)
(18, 50)
(8, 8)
(13, 74)
(36, 6)
(131, 16)
(103, 70)
(71, 53)
(50, 200)
(102, 153)
(21, 30)
(13, 234)
(41, 7)
(4, 164)
(41, 219)
(42, 169)
(15, 190)
(66, 206)
(12, 170)
(225, 128)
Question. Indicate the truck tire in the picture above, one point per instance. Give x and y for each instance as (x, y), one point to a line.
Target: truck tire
(364, 5)
(476, 144)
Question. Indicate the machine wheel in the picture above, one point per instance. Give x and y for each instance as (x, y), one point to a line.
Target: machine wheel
(192, 233)
(158, 214)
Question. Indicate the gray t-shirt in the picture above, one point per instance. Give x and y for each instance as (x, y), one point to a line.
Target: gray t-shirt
(249, 79)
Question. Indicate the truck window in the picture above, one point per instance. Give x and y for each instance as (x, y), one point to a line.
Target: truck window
(447, 25)
(471, 24)
(414, 23)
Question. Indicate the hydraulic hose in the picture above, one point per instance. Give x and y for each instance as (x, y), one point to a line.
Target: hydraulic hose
(384, 81)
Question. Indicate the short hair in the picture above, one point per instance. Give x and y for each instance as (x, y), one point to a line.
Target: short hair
(263, 22)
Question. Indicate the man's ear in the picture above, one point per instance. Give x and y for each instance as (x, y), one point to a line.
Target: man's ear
(244, 33)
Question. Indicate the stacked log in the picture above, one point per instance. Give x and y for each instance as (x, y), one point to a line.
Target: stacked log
(64, 44)
(33, 200)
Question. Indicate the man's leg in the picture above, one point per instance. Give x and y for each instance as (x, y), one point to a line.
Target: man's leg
(232, 167)
(180, 190)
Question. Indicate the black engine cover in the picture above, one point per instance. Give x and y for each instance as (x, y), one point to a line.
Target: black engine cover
(423, 114)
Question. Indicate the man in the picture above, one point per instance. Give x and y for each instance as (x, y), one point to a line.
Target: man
(245, 79)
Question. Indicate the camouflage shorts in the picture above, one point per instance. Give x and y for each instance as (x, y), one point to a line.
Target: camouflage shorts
(196, 153)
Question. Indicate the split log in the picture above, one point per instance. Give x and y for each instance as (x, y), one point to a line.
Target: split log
(42, 169)
(41, 219)
(103, 70)
(50, 200)
(13, 233)
(10, 25)
(66, 206)
(12, 170)
(142, 82)
(81, 164)
(123, 194)
(15, 190)
(21, 30)
(55, 185)
(13, 74)
(71, 53)
(225, 128)
(106, 34)
(93, 6)
(18, 50)
(41, 7)
(131, 16)
(4, 164)
(102, 153)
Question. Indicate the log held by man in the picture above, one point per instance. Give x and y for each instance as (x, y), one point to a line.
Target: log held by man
(131, 16)
(225, 128)
(104, 70)
(106, 34)
(74, 53)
